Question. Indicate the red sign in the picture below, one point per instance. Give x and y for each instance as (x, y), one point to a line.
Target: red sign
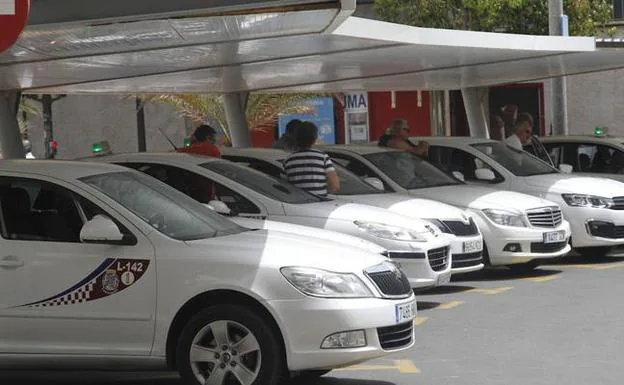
(13, 19)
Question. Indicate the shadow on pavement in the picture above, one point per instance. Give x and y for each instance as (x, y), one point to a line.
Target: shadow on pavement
(450, 289)
(423, 305)
(328, 380)
(583, 260)
(505, 274)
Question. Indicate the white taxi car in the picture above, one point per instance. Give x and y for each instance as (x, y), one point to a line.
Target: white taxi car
(518, 230)
(419, 247)
(466, 239)
(102, 266)
(593, 206)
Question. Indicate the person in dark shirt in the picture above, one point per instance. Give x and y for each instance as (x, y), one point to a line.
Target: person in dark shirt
(310, 169)
(203, 142)
(397, 136)
(285, 142)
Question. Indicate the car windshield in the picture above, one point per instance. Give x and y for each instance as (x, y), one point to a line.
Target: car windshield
(351, 184)
(410, 171)
(264, 184)
(519, 163)
(162, 207)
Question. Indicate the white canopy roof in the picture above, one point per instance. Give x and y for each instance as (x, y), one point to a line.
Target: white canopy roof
(316, 48)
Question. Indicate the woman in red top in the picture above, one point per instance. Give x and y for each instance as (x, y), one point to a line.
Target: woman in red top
(203, 142)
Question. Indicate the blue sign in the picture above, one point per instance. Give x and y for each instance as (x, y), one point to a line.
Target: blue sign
(323, 116)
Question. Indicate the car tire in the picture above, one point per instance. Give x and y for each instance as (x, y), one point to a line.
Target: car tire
(526, 267)
(593, 252)
(201, 355)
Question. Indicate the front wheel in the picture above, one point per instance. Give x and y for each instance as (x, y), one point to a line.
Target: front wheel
(229, 345)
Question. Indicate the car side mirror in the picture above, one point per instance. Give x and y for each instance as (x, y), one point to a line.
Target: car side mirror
(565, 168)
(485, 174)
(221, 208)
(376, 183)
(459, 176)
(103, 230)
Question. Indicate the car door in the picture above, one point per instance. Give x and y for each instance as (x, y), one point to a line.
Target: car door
(202, 188)
(59, 295)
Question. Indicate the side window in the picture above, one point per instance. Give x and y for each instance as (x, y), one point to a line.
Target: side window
(441, 157)
(596, 158)
(356, 167)
(39, 211)
(452, 160)
(235, 201)
(554, 151)
(258, 165)
(89, 210)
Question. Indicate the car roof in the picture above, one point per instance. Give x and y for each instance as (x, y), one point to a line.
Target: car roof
(452, 140)
(357, 149)
(584, 138)
(167, 157)
(62, 169)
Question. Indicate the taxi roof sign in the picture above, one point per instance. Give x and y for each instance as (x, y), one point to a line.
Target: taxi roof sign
(601, 131)
(101, 148)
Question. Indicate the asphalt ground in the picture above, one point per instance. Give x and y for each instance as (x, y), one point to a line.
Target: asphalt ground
(561, 324)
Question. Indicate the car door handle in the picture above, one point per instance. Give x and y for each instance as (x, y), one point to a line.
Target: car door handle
(11, 262)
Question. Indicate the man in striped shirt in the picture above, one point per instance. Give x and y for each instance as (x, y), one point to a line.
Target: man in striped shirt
(309, 169)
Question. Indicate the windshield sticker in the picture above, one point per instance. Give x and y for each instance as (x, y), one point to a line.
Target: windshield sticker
(114, 275)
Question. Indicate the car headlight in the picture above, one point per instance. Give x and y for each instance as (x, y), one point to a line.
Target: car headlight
(505, 218)
(582, 200)
(327, 284)
(381, 230)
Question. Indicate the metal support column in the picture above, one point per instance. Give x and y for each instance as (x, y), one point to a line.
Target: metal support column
(236, 119)
(140, 116)
(476, 104)
(11, 146)
(558, 26)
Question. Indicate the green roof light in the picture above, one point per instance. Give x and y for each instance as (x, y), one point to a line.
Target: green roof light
(187, 142)
(600, 131)
(97, 148)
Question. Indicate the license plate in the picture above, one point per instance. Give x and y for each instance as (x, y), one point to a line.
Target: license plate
(443, 279)
(554, 236)
(405, 312)
(473, 246)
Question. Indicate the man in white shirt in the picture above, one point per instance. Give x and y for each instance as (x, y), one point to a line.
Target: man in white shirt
(522, 135)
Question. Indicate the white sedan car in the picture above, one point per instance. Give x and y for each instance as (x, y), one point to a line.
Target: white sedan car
(518, 230)
(418, 246)
(593, 206)
(466, 240)
(102, 266)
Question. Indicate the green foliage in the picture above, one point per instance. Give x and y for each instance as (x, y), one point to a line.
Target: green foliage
(586, 17)
(261, 112)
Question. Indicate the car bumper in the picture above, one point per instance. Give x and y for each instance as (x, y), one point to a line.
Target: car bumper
(422, 262)
(530, 241)
(466, 260)
(581, 219)
(308, 322)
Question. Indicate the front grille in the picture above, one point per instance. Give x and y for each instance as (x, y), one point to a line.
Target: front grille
(540, 247)
(467, 260)
(618, 203)
(545, 217)
(438, 258)
(395, 337)
(390, 282)
(462, 229)
(405, 255)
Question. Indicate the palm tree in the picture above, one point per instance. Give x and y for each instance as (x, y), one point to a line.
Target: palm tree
(261, 109)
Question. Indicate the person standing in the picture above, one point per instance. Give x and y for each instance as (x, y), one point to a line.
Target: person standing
(285, 142)
(522, 135)
(203, 142)
(307, 168)
(397, 136)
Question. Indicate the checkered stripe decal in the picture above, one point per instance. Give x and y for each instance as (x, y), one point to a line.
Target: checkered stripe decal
(111, 277)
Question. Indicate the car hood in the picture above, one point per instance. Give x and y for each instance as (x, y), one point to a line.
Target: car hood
(409, 206)
(312, 232)
(269, 248)
(341, 210)
(565, 183)
(479, 198)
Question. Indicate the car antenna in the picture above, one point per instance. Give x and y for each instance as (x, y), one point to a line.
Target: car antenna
(168, 140)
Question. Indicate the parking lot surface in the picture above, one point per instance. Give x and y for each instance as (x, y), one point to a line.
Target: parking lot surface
(558, 325)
